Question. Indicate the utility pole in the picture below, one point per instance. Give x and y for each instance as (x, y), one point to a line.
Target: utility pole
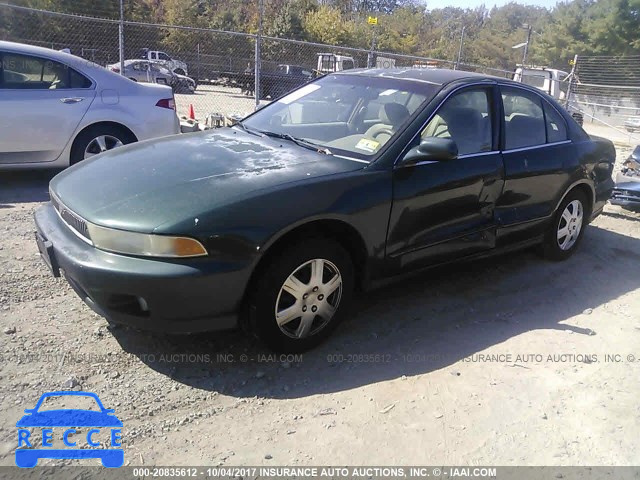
(121, 37)
(256, 82)
(526, 45)
(457, 65)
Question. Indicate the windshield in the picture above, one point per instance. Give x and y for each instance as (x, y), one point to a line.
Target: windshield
(346, 114)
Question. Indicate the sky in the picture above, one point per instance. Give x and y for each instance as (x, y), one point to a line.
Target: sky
(487, 3)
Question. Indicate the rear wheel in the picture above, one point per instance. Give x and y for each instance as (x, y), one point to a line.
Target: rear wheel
(566, 230)
(99, 139)
(301, 295)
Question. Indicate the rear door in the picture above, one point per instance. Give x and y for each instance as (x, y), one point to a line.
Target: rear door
(445, 209)
(42, 101)
(536, 150)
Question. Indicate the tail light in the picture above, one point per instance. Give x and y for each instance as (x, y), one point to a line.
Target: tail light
(169, 103)
(115, 69)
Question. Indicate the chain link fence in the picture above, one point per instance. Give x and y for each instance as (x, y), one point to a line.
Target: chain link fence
(606, 90)
(222, 63)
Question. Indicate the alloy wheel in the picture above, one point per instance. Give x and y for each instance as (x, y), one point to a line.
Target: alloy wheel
(570, 225)
(100, 144)
(309, 298)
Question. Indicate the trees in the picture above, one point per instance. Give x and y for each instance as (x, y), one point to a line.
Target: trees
(583, 27)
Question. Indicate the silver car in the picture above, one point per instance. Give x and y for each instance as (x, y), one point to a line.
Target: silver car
(60, 109)
(151, 72)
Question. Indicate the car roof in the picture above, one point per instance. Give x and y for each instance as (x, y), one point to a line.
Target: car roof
(438, 76)
(26, 49)
(86, 67)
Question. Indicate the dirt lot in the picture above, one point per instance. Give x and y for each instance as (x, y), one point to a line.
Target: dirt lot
(215, 99)
(497, 362)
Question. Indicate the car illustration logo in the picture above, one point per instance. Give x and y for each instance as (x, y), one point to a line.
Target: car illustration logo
(29, 451)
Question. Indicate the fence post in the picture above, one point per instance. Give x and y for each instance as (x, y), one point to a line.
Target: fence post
(121, 37)
(256, 80)
(199, 76)
(457, 64)
(572, 77)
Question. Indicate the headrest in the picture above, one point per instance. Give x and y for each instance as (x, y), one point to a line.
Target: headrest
(461, 115)
(393, 113)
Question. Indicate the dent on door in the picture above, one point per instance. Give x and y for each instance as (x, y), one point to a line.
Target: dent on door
(443, 210)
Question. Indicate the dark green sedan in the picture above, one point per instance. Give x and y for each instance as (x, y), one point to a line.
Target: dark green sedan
(339, 186)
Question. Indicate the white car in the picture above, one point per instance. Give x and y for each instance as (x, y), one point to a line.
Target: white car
(58, 109)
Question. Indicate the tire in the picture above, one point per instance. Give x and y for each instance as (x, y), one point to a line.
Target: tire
(133, 79)
(323, 297)
(86, 142)
(572, 215)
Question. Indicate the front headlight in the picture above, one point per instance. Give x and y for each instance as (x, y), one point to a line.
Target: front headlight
(132, 243)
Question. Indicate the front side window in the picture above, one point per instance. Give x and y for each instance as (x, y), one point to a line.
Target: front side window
(163, 56)
(465, 118)
(524, 124)
(28, 72)
(347, 114)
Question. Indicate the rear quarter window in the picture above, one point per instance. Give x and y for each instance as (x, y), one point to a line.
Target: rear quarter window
(556, 126)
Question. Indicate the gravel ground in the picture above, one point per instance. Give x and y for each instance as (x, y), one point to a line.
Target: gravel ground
(215, 99)
(497, 362)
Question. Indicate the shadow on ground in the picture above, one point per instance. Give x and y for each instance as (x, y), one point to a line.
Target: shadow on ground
(25, 186)
(410, 328)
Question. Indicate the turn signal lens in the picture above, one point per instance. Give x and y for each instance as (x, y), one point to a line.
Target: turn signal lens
(187, 247)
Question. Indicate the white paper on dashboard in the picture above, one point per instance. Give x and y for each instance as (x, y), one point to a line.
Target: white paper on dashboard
(301, 92)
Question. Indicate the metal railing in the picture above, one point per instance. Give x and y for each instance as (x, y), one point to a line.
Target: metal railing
(606, 90)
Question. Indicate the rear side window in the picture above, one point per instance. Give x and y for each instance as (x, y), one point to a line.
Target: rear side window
(556, 127)
(29, 72)
(524, 124)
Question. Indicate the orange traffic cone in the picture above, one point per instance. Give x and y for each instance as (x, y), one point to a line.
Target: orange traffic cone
(192, 114)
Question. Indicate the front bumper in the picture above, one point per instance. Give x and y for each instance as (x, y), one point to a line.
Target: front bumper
(185, 296)
(627, 201)
(625, 193)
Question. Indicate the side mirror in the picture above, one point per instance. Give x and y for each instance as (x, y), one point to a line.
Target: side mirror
(432, 149)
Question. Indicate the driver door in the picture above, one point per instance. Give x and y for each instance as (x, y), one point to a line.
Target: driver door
(444, 210)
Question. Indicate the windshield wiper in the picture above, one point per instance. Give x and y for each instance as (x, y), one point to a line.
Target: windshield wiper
(257, 133)
(299, 141)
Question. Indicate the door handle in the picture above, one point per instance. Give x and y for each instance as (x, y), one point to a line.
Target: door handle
(71, 100)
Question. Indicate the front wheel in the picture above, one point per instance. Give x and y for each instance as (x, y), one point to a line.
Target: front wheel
(301, 295)
(567, 229)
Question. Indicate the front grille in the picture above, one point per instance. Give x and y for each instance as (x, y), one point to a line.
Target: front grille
(74, 221)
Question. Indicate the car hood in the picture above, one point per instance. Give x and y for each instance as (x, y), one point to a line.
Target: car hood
(144, 185)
